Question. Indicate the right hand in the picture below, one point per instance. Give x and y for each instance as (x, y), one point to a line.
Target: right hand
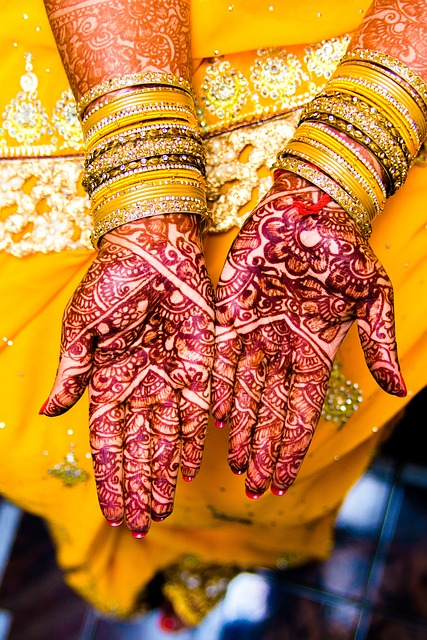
(139, 332)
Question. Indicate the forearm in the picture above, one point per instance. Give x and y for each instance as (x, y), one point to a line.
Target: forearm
(101, 39)
(397, 28)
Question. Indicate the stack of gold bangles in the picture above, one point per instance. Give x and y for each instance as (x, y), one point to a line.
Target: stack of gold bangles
(143, 152)
(377, 102)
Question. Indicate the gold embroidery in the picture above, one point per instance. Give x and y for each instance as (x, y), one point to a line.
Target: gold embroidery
(43, 207)
(26, 122)
(238, 168)
(240, 88)
(343, 397)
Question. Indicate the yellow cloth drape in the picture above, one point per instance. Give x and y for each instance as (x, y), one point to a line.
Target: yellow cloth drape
(212, 519)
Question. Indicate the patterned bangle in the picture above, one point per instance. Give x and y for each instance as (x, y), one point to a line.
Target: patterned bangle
(132, 80)
(356, 163)
(396, 67)
(151, 131)
(336, 168)
(357, 119)
(378, 98)
(305, 169)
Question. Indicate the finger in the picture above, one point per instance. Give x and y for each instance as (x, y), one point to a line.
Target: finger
(72, 377)
(376, 328)
(305, 400)
(165, 456)
(137, 466)
(267, 437)
(194, 413)
(250, 378)
(106, 441)
(227, 353)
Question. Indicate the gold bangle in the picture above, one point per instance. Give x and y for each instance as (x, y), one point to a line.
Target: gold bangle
(125, 102)
(153, 190)
(138, 115)
(392, 92)
(144, 148)
(357, 120)
(376, 98)
(355, 163)
(131, 80)
(338, 169)
(92, 181)
(394, 65)
(135, 177)
(305, 169)
(144, 132)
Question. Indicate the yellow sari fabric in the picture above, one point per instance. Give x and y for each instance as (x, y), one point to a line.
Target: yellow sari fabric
(45, 463)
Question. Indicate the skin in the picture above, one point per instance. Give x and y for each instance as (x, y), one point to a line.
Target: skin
(139, 330)
(290, 289)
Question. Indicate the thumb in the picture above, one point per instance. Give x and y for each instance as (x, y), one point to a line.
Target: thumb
(75, 366)
(377, 337)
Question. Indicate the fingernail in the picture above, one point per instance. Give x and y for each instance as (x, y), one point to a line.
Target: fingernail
(219, 424)
(403, 392)
(237, 472)
(167, 623)
(139, 534)
(41, 412)
(277, 492)
(115, 523)
(253, 496)
(188, 478)
(157, 518)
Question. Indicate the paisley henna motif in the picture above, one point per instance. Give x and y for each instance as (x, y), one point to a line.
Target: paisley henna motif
(139, 332)
(290, 290)
(105, 38)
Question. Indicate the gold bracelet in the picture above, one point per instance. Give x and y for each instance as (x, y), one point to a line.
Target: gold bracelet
(305, 169)
(355, 162)
(394, 94)
(122, 103)
(166, 188)
(132, 80)
(141, 149)
(369, 128)
(132, 178)
(393, 110)
(138, 115)
(397, 67)
(92, 182)
(338, 169)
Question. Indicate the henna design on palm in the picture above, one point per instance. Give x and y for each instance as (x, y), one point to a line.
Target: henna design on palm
(139, 333)
(290, 289)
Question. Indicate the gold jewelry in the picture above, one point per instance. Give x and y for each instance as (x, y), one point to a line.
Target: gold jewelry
(305, 168)
(399, 69)
(132, 80)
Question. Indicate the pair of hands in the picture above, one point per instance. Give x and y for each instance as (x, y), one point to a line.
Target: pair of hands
(140, 332)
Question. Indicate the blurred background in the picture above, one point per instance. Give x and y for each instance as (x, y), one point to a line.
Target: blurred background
(373, 587)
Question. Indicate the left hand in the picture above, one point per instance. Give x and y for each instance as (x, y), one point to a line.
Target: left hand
(290, 289)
